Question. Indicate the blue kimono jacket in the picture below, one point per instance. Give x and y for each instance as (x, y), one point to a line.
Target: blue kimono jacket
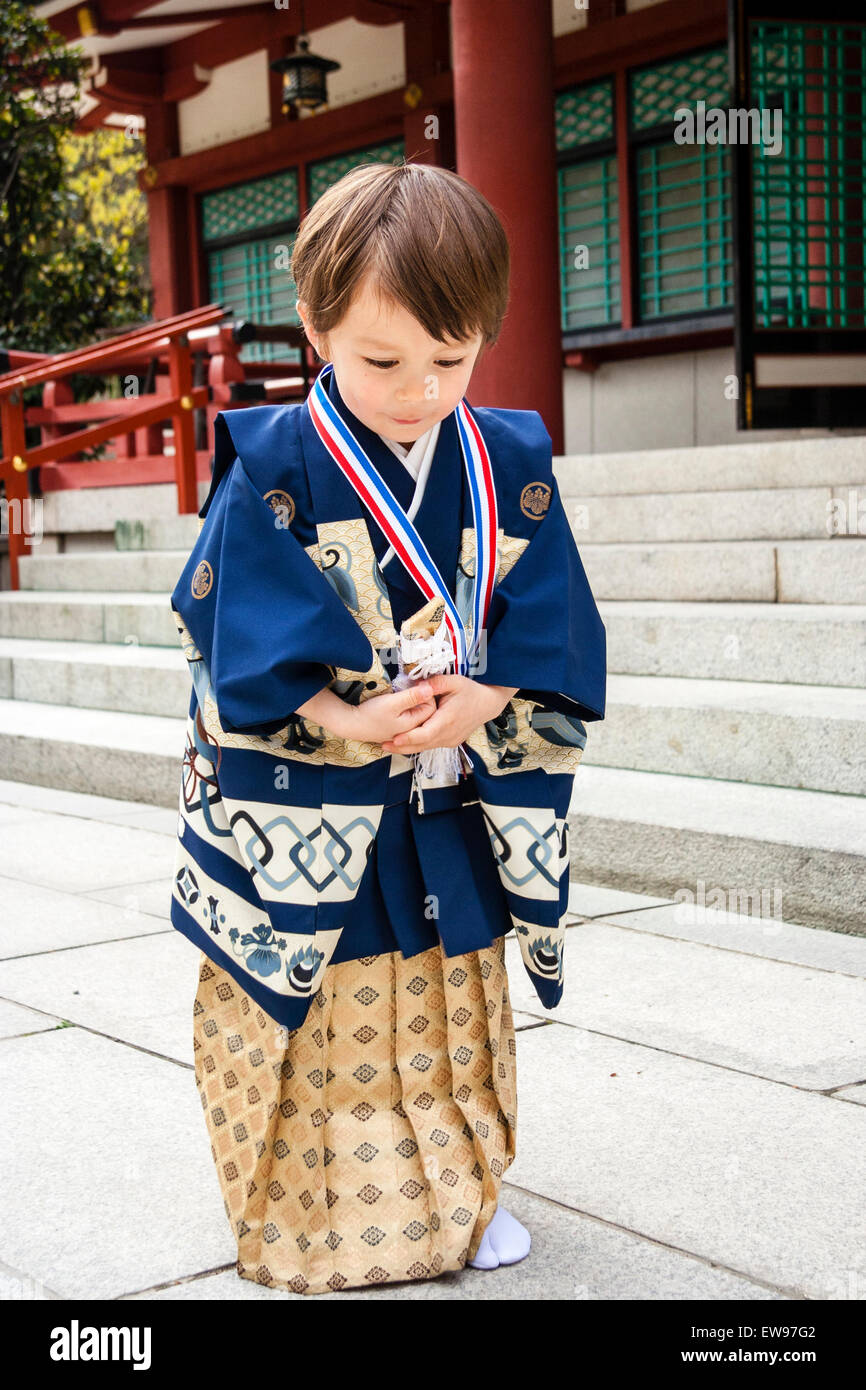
(297, 849)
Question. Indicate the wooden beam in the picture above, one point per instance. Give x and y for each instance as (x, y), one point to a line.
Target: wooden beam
(641, 36)
(182, 83)
(108, 17)
(378, 118)
(235, 38)
(167, 21)
(602, 10)
(126, 89)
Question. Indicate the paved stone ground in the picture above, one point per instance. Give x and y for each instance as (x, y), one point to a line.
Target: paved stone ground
(691, 1119)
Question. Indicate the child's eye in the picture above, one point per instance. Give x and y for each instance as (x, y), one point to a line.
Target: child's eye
(374, 363)
(454, 363)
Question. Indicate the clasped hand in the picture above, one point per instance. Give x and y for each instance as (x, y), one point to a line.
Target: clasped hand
(459, 706)
(439, 712)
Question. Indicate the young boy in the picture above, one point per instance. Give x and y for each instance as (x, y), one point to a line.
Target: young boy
(353, 848)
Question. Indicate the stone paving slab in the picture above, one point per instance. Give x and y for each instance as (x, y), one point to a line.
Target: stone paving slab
(16, 1020)
(138, 991)
(58, 801)
(741, 1171)
(751, 935)
(161, 819)
(790, 1023)
(35, 920)
(108, 1181)
(641, 1173)
(80, 856)
(17, 1284)
(63, 802)
(522, 1020)
(153, 898)
(572, 1257)
(593, 900)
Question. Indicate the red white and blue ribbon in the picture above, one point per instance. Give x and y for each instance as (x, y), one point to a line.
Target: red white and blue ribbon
(374, 492)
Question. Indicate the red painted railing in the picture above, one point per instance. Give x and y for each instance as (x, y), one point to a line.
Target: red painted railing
(135, 423)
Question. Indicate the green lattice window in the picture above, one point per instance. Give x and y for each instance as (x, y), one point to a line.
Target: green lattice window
(325, 172)
(809, 197)
(584, 115)
(589, 243)
(249, 206)
(684, 229)
(657, 92)
(248, 232)
(588, 206)
(252, 278)
(682, 192)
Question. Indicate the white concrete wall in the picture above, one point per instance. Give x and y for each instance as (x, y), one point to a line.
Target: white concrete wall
(573, 14)
(235, 102)
(672, 400)
(232, 105)
(371, 56)
(567, 16)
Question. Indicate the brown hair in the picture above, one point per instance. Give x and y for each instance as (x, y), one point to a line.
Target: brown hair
(429, 239)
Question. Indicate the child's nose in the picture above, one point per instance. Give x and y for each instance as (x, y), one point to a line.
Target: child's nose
(411, 389)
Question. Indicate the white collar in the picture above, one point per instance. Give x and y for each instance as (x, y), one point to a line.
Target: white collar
(414, 455)
(418, 460)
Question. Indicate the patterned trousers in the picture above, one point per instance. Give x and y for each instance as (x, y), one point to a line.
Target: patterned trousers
(367, 1146)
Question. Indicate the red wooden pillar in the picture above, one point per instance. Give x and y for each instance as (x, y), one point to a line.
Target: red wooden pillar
(168, 225)
(180, 375)
(17, 485)
(506, 147)
(428, 127)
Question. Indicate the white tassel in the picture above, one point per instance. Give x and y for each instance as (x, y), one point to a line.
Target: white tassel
(417, 658)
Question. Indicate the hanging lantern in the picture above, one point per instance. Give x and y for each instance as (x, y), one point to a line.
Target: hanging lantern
(304, 76)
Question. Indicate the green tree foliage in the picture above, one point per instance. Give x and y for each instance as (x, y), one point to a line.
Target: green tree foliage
(72, 220)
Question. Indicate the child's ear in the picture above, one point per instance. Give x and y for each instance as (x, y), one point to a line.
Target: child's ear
(320, 345)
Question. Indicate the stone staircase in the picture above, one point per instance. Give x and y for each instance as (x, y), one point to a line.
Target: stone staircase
(733, 752)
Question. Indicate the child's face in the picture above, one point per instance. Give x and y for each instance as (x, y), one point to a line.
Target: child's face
(392, 375)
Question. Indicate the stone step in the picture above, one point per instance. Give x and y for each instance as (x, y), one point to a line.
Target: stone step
(748, 514)
(805, 571)
(807, 644)
(657, 833)
(793, 643)
(133, 757)
(645, 832)
(780, 463)
(783, 463)
(832, 571)
(811, 737)
(126, 678)
(97, 508)
(754, 514)
(157, 533)
(144, 571)
(779, 735)
(80, 616)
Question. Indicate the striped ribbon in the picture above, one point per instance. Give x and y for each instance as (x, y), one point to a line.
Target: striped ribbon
(374, 492)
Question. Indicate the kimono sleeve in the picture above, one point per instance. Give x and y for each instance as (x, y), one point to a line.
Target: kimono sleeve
(545, 635)
(269, 626)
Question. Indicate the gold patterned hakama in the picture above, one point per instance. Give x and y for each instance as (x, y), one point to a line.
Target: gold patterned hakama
(367, 1146)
